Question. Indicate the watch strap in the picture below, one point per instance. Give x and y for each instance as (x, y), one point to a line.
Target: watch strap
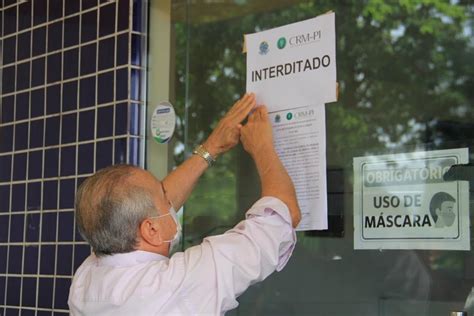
(203, 153)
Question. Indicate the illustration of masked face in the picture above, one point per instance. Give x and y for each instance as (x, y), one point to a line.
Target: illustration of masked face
(446, 215)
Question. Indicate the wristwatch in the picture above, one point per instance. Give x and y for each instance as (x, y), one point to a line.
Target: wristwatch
(202, 152)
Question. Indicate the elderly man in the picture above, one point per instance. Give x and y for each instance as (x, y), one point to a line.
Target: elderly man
(128, 217)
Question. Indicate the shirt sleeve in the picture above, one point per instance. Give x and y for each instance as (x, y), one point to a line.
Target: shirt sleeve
(224, 266)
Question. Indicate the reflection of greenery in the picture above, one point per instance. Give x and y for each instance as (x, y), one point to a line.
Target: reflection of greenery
(446, 262)
(403, 67)
(215, 194)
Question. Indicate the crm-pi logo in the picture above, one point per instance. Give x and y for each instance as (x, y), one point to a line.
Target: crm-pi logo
(263, 48)
(303, 39)
(281, 43)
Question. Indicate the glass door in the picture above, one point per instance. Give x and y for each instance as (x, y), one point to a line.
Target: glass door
(406, 73)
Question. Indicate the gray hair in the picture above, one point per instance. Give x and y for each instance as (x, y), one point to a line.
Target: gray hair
(109, 210)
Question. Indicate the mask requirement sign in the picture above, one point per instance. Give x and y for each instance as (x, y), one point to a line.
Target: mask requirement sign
(292, 70)
(402, 201)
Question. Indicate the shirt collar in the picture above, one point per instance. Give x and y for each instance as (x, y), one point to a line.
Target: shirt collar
(129, 258)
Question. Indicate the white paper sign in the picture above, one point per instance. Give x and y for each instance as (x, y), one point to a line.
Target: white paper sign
(299, 137)
(292, 70)
(401, 201)
(293, 65)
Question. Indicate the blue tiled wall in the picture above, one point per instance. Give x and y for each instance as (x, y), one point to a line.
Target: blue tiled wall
(71, 103)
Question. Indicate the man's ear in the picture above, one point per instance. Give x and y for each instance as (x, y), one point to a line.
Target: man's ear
(150, 233)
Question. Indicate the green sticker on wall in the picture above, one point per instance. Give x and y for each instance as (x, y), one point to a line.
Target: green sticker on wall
(163, 122)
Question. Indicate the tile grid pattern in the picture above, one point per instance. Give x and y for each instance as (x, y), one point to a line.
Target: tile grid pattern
(71, 74)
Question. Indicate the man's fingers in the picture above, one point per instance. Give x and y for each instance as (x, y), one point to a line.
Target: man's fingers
(242, 103)
(253, 116)
(259, 113)
(243, 110)
(237, 105)
(263, 112)
(246, 101)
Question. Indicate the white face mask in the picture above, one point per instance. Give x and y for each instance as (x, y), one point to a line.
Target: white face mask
(174, 242)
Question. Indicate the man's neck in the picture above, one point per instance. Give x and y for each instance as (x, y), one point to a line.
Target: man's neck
(163, 249)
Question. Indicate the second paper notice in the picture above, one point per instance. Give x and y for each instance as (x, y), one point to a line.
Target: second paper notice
(299, 137)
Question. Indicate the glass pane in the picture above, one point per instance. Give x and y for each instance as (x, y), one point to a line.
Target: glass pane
(405, 74)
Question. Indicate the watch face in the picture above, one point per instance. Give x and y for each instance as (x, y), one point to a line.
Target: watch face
(163, 122)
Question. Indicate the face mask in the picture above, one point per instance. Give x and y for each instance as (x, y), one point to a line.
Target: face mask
(174, 243)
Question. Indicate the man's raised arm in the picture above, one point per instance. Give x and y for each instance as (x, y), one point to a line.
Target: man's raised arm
(256, 136)
(181, 181)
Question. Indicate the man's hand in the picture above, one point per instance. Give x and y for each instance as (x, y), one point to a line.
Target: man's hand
(256, 135)
(181, 181)
(227, 132)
